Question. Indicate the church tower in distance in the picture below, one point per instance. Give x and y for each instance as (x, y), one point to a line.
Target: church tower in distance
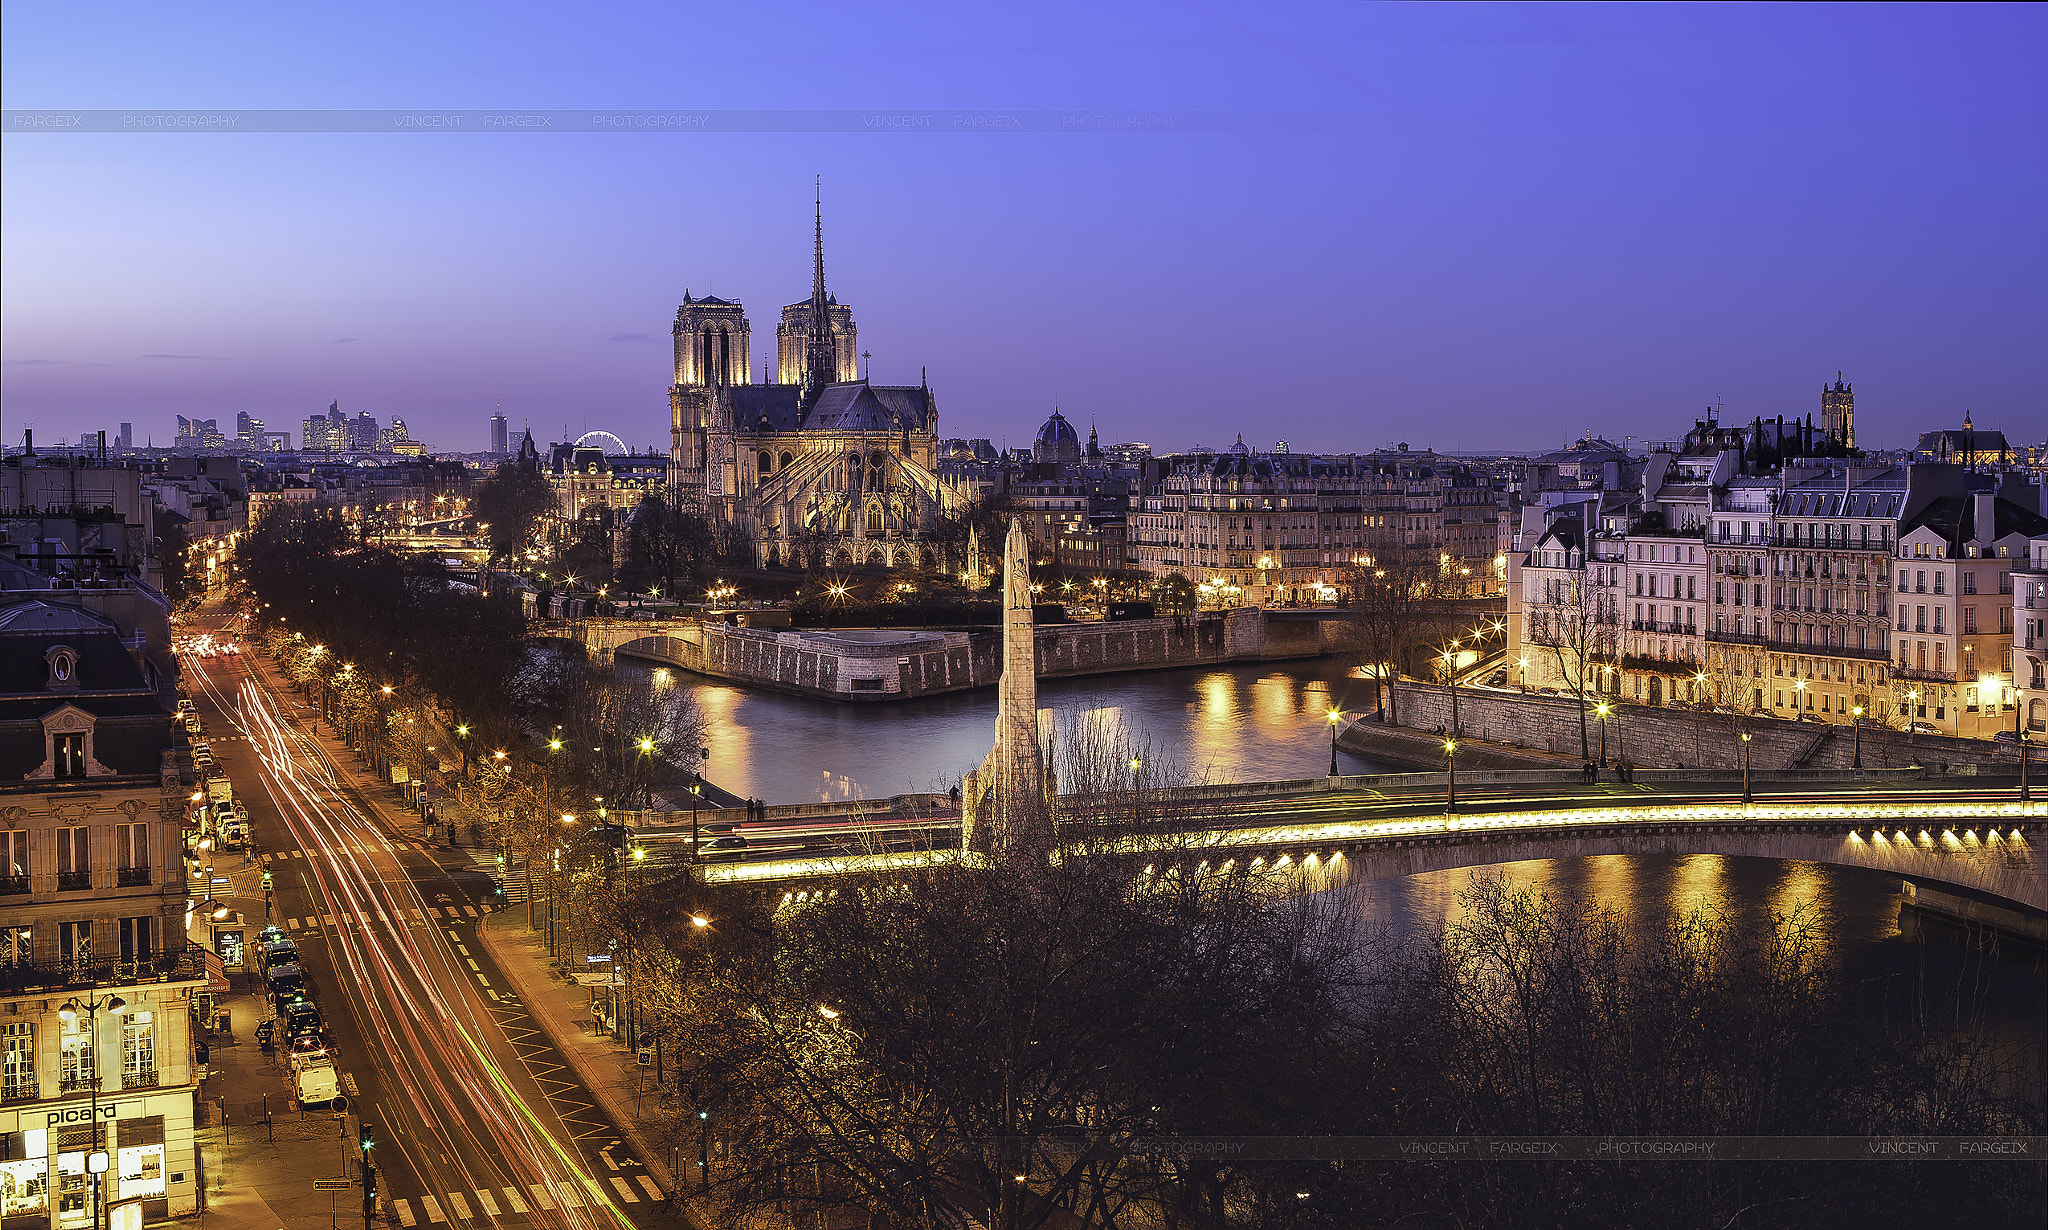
(1838, 413)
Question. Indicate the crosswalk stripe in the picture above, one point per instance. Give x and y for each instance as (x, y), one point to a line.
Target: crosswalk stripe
(442, 910)
(512, 1198)
(472, 911)
(405, 1217)
(653, 1192)
(328, 919)
(266, 858)
(625, 1192)
(293, 923)
(461, 1206)
(570, 1196)
(484, 1202)
(419, 916)
(541, 1197)
(433, 1208)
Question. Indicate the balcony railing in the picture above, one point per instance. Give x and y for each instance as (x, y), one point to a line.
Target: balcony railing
(77, 1084)
(13, 884)
(139, 1078)
(21, 1089)
(1921, 672)
(185, 963)
(73, 881)
(131, 877)
(1647, 625)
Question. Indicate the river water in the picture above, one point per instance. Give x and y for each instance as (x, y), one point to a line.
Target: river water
(1268, 722)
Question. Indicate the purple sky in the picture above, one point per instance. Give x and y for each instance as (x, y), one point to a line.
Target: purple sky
(1553, 220)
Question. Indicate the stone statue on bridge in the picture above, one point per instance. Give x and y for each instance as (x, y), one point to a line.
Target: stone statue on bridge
(1006, 805)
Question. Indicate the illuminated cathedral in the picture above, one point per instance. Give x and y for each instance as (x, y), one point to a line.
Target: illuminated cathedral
(819, 467)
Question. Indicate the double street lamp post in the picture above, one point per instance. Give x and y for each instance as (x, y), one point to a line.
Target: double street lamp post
(96, 1159)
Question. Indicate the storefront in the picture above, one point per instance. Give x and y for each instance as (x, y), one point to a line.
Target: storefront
(46, 1156)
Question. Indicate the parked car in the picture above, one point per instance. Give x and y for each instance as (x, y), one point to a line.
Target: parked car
(317, 1083)
(1499, 678)
(277, 954)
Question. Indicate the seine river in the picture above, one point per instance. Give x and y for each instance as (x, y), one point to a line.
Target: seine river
(1258, 723)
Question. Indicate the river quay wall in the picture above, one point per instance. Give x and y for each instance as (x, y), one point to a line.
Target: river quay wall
(1511, 728)
(887, 664)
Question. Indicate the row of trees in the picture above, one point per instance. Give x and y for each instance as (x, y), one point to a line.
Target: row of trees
(1025, 1042)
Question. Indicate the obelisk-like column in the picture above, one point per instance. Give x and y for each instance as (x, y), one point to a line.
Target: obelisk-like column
(1017, 812)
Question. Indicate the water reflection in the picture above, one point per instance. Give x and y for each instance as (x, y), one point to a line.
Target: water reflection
(1253, 723)
(1852, 908)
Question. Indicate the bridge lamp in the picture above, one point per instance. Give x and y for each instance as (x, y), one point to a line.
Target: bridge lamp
(828, 1012)
(554, 745)
(698, 920)
(463, 730)
(646, 745)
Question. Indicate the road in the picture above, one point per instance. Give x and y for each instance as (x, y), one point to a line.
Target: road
(478, 1119)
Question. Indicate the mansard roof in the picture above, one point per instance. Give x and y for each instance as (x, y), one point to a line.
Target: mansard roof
(1954, 517)
(29, 630)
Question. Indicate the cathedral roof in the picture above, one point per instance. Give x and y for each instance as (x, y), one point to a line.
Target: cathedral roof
(853, 406)
(865, 407)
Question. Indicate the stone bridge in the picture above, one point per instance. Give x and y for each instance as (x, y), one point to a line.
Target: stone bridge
(1970, 838)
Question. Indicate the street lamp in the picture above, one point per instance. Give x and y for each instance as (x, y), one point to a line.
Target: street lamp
(1746, 737)
(1137, 763)
(1451, 776)
(1336, 717)
(1856, 716)
(96, 1160)
(1912, 713)
(1603, 709)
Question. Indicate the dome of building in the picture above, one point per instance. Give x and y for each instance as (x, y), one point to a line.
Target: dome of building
(1057, 440)
(1057, 431)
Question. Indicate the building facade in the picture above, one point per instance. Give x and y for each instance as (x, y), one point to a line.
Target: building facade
(98, 983)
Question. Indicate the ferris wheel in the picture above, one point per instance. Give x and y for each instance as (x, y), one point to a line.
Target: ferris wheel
(611, 442)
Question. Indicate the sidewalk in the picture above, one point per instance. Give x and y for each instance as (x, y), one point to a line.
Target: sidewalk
(259, 1151)
(602, 1063)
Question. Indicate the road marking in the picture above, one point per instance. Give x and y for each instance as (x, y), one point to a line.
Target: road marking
(433, 1208)
(512, 1198)
(606, 1155)
(405, 1217)
(328, 919)
(464, 951)
(484, 1202)
(625, 1192)
(653, 1192)
(473, 965)
(480, 978)
(294, 923)
(266, 858)
(471, 911)
(460, 1205)
(541, 1197)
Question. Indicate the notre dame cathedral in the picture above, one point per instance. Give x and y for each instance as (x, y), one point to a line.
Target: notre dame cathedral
(819, 468)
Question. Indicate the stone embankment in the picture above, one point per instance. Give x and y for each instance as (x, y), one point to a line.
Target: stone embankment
(900, 664)
(1509, 729)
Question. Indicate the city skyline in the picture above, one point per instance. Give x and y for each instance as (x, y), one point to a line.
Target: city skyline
(1356, 222)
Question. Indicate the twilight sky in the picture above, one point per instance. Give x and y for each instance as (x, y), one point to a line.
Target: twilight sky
(1483, 227)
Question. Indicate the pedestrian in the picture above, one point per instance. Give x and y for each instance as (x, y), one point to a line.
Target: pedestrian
(451, 836)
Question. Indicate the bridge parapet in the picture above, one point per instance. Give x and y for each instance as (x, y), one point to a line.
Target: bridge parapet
(1987, 847)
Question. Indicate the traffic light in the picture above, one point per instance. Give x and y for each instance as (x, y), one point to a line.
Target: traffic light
(367, 1137)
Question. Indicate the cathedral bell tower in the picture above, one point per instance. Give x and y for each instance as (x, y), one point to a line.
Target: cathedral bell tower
(712, 336)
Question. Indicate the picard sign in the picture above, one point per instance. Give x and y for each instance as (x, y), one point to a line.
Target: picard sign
(67, 1116)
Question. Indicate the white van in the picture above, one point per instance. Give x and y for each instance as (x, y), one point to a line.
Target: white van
(318, 1082)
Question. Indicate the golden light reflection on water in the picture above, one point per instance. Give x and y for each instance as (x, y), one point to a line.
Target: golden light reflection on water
(1700, 884)
(1847, 906)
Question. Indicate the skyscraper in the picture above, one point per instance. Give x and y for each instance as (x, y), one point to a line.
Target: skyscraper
(127, 438)
(247, 429)
(498, 433)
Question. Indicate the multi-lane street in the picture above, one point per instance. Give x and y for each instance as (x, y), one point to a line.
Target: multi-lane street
(478, 1119)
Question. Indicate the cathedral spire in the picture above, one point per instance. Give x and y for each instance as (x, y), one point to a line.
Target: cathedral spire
(820, 350)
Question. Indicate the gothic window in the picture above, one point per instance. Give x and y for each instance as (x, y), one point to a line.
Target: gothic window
(766, 463)
(874, 518)
(785, 461)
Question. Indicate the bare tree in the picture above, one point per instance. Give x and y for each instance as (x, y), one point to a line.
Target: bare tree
(1582, 639)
